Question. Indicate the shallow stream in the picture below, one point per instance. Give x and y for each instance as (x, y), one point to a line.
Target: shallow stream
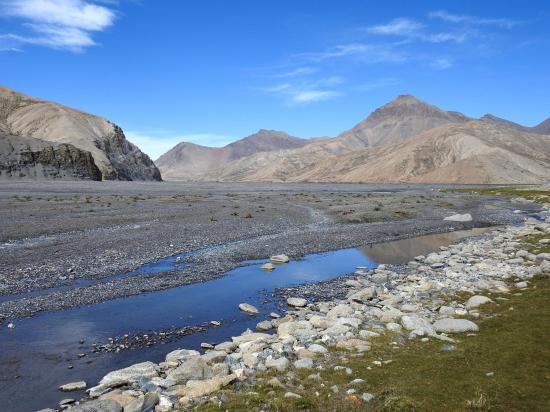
(42, 352)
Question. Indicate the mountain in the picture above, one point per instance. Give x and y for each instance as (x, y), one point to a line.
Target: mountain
(25, 157)
(395, 122)
(543, 127)
(489, 118)
(187, 160)
(116, 157)
(407, 140)
(476, 152)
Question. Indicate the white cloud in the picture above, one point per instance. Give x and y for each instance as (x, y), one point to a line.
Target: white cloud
(300, 71)
(59, 24)
(370, 53)
(155, 144)
(398, 27)
(310, 96)
(460, 18)
(413, 30)
(307, 91)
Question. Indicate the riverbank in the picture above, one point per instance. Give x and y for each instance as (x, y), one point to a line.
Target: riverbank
(442, 301)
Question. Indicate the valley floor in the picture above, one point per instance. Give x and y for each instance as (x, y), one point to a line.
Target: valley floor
(62, 242)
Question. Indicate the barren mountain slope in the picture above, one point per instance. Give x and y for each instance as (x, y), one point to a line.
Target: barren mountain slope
(115, 156)
(395, 122)
(543, 127)
(186, 161)
(475, 152)
(25, 157)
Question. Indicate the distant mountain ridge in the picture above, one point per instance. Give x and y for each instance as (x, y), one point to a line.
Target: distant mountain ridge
(116, 157)
(186, 160)
(404, 140)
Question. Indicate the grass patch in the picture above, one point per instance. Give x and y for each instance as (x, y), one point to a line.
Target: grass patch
(536, 195)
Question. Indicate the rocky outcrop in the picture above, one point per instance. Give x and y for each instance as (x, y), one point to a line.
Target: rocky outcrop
(116, 157)
(36, 159)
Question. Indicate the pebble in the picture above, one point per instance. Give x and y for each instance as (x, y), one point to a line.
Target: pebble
(246, 307)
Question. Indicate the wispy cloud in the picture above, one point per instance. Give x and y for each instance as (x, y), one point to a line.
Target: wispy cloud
(311, 96)
(369, 53)
(156, 144)
(298, 72)
(414, 30)
(472, 20)
(307, 92)
(397, 27)
(59, 24)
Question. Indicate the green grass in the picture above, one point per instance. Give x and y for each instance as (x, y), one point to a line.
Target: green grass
(530, 193)
(513, 344)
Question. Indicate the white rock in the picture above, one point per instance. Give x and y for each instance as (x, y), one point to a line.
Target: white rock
(248, 308)
(280, 364)
(477, 300)
(130, 374)
(304, 363)
(279, 259)
(316, 348)
(394, 327)
(459, 218)
(449, 325)
(416, 323)
(73, 386)
(296, 302)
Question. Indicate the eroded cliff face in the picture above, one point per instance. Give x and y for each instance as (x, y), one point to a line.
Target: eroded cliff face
(35, 159)
(116, 157)
(127, 161)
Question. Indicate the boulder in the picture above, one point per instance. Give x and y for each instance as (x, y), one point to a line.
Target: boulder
(130, 374)
(416, 323)
(353, 344)
(194, 389)
(305, 363)
(248, 308)
(98, 405)
(193, 368)
(264, 325)
(449, 325)
(296, 302)
(340, 310)
(477, 300)
(279, 259)
(144, 403)
(316, 348)
(179, 355)
(73, 386)
(363, 295)
(280, 364)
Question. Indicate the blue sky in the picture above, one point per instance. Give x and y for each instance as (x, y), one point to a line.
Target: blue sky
(213, 71)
